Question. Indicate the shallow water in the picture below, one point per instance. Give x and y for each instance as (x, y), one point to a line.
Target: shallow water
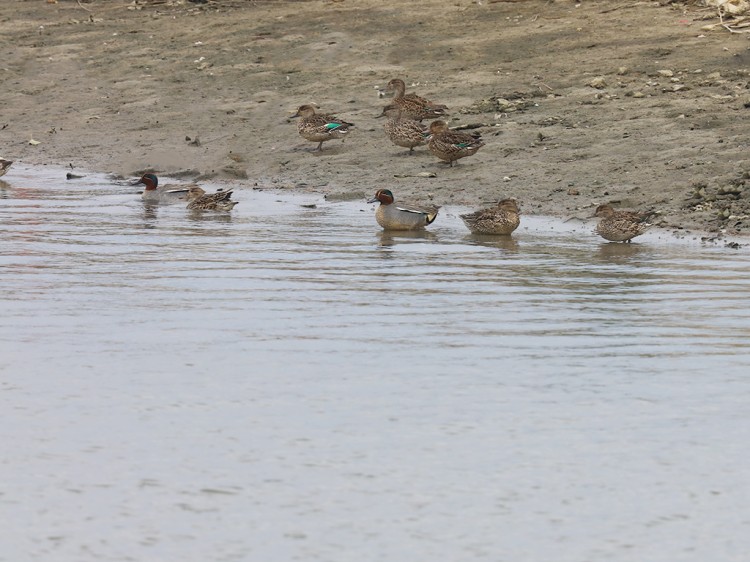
(290, 383)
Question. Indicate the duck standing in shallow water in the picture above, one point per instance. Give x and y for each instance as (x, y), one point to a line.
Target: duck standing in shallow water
(319, 128)
(202, 201)
(451, 145)
(155, 193)
(620, 226)
(413, 106)
(4, 166)
(502, 219)
(404, 132)
(391, 217)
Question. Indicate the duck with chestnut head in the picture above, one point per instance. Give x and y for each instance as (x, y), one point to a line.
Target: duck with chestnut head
(401, 217)
(162, 193)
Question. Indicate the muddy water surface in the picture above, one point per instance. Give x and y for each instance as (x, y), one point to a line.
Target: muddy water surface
(289, 383)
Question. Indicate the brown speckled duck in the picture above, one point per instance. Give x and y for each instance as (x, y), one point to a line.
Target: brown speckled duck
(202, 201)
(4, 166)
(317, 127)
(620, 226)
(391, 217)
(451, 145)
(501, 219)
(413, 106)
(404, 132)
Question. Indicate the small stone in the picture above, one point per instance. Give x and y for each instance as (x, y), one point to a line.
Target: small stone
(639, 95)
(665, 73)
(623, 70)
(573, 191)
(599, 83)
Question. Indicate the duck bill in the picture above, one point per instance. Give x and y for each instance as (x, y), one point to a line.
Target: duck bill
(373, 200)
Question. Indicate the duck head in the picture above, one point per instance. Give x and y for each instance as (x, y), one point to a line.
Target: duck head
(304, 111)
(384, 196)
(438, 127)
(149, 180)
(603, 211)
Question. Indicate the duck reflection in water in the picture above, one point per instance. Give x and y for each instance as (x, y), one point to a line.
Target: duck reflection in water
(614, 250)
(505, 243)
(393, 237)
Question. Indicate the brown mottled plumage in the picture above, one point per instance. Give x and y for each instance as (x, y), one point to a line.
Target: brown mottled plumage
(4, 166)
(391, 217)
(501, 219)
(201, 201)
(404, 132)
(451, 145)
(620, 226)
(413, 106)
(318, 127)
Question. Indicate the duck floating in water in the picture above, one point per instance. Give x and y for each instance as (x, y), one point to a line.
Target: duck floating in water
(202, 201)
(501, 219)
(620, 226)
(155, 193)
(318, 127)
(392, 217)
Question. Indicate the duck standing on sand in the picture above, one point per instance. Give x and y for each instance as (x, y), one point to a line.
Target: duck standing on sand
(317, 127)
(620, 226)
(202, 201)
(404, 132)
(155, 193)
(391, 217)
(502, 219)
(413, 106)
(4, 166)
(451, 145)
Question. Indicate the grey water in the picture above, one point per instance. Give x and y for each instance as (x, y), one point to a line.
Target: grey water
(287, 382)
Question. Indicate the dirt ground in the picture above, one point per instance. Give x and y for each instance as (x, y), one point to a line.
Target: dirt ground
(622, 101)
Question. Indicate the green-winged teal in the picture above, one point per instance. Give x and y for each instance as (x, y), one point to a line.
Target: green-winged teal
(404, 132)
(451, 145)
(620, 226)
(391, 217)
(199, 200)
(4, 166)
(413, 106)
(500, 219)
(155, 193)
(317, 127)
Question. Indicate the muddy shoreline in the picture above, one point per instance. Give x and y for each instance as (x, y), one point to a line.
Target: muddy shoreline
(579, 104)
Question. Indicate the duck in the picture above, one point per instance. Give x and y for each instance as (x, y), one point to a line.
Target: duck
(620, 226)
(199, 200)
(318, 127)
(155, 193)
(391, 217)
(451, 145)
(414, 106)
(4, 166)
(403, 132)
(503, 218)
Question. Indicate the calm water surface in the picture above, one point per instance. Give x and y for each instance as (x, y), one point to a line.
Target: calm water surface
(289, 383)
